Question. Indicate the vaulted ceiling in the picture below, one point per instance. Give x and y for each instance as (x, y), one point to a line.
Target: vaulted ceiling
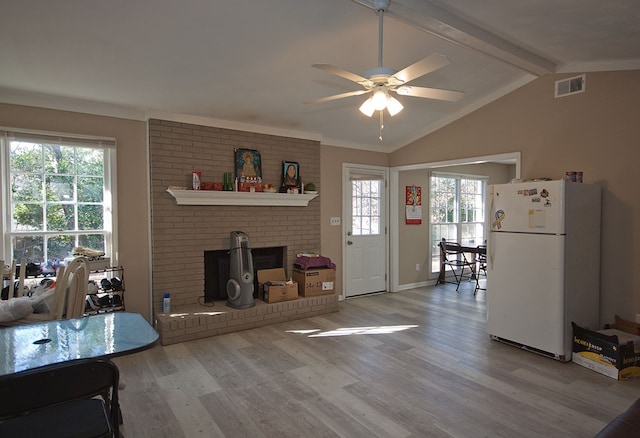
(246, 64)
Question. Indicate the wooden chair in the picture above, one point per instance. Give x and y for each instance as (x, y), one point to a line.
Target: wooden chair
(69, 295)
(60, 400)
(454, 258)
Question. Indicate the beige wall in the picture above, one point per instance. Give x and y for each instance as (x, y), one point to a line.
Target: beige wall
(413, 239)
(132, 176)
(596, 132)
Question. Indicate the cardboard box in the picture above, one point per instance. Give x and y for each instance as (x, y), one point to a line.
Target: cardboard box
(273, 286)
(315, 282)
(611, 352)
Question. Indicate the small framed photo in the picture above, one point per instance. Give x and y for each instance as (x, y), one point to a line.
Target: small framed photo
(248, 165)
(290, 174)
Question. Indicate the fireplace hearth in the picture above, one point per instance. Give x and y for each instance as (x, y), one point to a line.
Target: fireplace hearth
(217, 264)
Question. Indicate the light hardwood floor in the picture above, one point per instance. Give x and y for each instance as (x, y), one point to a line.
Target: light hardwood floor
(416, 363)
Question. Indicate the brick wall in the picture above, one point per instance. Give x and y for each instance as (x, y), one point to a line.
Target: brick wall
(181, 233)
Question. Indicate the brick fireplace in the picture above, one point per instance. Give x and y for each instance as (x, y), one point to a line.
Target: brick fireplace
(181, 234)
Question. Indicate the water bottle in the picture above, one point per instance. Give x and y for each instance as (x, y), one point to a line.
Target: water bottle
(166, 303)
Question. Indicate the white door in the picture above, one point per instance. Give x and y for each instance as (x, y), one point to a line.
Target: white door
(365, 230)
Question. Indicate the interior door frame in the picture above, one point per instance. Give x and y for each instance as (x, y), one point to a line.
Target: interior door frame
(346, 216)
(395, 203)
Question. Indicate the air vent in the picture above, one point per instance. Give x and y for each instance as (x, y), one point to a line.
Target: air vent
(568, 86)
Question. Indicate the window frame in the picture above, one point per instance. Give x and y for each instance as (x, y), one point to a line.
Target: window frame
(435, 250)
(107, 144)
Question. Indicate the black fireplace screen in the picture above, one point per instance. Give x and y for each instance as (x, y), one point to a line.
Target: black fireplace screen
(217, 264)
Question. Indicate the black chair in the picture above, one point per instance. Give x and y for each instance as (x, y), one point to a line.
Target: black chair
(70, 399)
(481, 260)
(454, 258)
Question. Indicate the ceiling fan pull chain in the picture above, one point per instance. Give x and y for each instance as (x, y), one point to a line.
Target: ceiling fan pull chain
(381, 124)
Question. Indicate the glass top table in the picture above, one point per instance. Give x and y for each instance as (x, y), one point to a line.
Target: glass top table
(103, 335)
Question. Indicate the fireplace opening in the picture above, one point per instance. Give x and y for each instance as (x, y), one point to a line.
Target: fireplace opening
(218, 262)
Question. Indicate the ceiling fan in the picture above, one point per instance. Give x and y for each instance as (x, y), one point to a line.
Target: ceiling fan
(382, 81)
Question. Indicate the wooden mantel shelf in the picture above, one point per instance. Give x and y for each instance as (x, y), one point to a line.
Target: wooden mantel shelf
(249, 199)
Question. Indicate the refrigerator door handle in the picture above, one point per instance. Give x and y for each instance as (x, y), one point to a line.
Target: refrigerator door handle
(491, 241)
(490, 252)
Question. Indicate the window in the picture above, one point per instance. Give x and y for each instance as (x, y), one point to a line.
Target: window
(457, 206)
(365, 197)
(57, 194)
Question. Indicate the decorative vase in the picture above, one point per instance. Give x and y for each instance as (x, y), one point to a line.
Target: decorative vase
(227, 183)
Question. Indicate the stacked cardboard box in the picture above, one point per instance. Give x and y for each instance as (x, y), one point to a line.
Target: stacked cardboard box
(315, 282)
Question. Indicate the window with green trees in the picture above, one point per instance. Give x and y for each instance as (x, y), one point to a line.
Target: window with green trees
(58, 195)
(456, 211)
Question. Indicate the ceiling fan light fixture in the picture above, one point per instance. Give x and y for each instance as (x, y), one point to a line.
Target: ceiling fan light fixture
(379, 100)
(380, 81)
(393, 106)
(367, 107)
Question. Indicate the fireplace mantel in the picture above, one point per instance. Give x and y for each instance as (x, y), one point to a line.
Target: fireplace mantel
(212, 197)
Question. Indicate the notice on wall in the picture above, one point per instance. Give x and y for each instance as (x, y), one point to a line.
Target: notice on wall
(413, 205)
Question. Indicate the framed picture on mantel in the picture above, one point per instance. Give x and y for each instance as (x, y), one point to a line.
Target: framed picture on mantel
(248, 165)
(290, 175)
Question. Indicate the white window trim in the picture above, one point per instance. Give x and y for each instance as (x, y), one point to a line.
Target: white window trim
(108, 144)
(482, 178)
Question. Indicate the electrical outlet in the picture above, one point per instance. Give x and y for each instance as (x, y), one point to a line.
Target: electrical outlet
(417, 266)
(335, 220)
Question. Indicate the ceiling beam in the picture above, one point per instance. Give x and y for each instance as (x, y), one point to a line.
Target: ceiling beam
(433, 19)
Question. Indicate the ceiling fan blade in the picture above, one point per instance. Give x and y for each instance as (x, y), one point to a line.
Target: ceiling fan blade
(421, 68)
(342, 73)
(338, 96)
(430, 93)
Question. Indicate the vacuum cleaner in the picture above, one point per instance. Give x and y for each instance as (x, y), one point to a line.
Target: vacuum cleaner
(240, 284)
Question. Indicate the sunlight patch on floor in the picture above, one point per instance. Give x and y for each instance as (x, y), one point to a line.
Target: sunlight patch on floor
(347, 331)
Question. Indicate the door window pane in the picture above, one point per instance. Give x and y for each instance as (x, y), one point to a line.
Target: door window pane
(365, 213)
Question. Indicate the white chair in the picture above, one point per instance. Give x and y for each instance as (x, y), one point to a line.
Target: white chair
(69, 294)
(11, 277)
(76, 277)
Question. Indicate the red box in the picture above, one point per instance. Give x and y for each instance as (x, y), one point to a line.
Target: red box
(246, 186)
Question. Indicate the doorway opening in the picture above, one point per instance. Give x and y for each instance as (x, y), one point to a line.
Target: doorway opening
(406, 253)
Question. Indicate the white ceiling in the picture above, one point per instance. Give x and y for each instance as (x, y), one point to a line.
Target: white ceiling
(246, 64)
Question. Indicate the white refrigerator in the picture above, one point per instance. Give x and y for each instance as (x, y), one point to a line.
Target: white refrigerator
(543, 263)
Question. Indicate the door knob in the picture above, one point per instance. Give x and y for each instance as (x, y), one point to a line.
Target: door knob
(349, 242)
